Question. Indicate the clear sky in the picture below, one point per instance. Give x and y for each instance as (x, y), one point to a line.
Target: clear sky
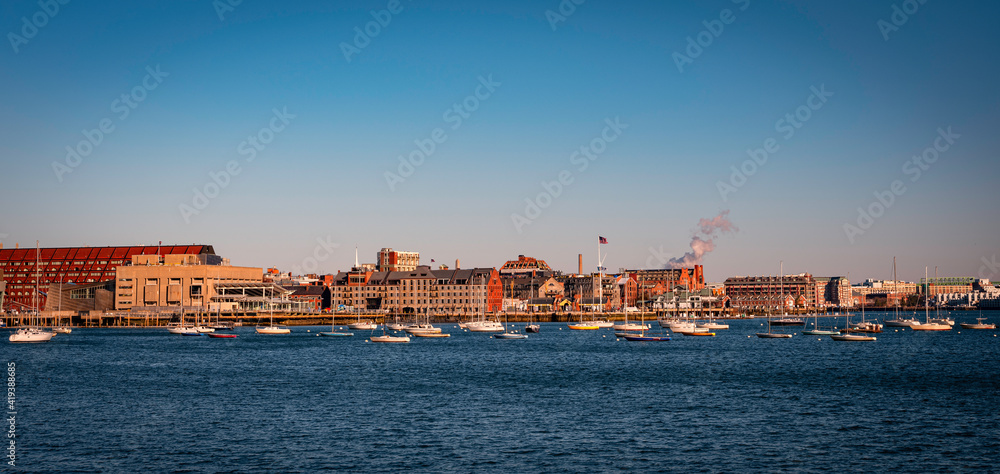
(316, 116)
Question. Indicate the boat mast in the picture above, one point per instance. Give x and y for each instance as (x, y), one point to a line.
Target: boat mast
(927, 288)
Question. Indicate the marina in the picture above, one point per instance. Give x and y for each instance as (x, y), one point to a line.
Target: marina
(473, 403)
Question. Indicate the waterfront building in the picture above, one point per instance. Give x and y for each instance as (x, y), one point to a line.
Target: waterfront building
(421, 291)
(653, 282)
(389, 260)
(679, 298)
(525, 265)
(602, 288)
(937, 286)
(770, 292)
(155, 282)
(78, 265)
(892, 290)
(836, 292)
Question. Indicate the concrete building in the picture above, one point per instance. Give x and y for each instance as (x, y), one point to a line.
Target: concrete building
(389, 260)
(937, 286)
(154, 282)
(77, 265)
(892, 290)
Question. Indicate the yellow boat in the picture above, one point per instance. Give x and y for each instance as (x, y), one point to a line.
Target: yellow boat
(584, 327)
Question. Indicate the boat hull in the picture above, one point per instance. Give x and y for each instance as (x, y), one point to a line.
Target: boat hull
(390, 339)
(273, 330)
(931, 327)
(819, 332)
(336, 334)
(583, 327)
(532, 328)
(851, 337)
(431, 334)
(222, 336)
(637, 338)
(509, 335)
(977, 326)
(30, 335)
(769, 335)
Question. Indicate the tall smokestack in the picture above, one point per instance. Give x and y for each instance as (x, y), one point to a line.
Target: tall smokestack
(457, 262)
(579, 270)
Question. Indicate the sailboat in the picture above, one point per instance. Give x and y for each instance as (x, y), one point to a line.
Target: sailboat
(532, 326)
(333, 328)
(929, 325)
(271, 328)
(385, 337)
(847, 336)
(781, 291)
(626, 326)
(482, 324)
(937, 309)
(32, 333)
(642, 336)
(60, 329)
(896, 321)
(508, 334)
(816, 331)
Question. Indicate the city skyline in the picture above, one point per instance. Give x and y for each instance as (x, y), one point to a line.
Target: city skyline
(830, 137)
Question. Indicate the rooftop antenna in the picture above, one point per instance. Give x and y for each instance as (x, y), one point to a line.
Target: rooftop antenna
(356, 257)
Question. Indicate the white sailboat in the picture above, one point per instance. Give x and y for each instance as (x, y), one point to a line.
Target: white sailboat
(32, 333)
(61, 328)
(847, 336)
(781, 298)
(896, 321)
(271, 328)
(928, 324)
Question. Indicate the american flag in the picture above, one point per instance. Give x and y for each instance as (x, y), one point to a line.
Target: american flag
(601, 240)
(432, 260)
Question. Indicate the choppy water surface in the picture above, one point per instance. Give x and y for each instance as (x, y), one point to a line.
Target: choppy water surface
(145, 400)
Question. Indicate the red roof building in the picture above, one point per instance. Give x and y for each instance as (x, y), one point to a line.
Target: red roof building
(77, 265)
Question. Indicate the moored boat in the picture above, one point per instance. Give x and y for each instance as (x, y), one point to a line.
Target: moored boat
(851, 337)
(979, 324)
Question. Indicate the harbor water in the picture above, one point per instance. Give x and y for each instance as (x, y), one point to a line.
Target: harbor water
(143, 400)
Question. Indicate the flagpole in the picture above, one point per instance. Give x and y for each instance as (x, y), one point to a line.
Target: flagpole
(600, 277)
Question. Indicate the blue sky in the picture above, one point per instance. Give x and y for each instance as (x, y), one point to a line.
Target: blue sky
(322, 174)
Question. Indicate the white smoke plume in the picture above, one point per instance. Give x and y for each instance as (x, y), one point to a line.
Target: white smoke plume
(702, 241)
